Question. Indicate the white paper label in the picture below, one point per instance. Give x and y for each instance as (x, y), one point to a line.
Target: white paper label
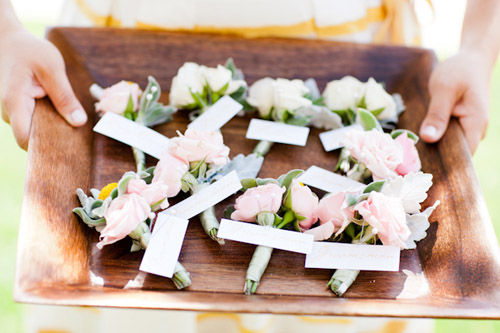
(353, 256)
(217, 115)
(206, 198)
(131, 133)
(329, 181)
(277, 132)
(331, 139)
(164, 246)
(255, 234)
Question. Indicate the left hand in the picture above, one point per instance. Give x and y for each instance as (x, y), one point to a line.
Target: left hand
(459, 87)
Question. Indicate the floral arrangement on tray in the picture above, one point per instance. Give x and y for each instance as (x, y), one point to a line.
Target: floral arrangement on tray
(385, 209)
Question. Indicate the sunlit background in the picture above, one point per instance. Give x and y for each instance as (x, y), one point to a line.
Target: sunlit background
(441, 30)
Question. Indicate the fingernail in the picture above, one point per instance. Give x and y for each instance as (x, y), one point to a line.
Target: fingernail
(430, 131)
(78, 117)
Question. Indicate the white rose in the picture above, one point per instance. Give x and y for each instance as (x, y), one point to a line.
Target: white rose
(261, 96)
(288, 95)
(189, 78)
(235, 85)
(218, 77)
(377, 98)
(344, 93)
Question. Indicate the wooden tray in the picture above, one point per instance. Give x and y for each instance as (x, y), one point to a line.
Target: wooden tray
(455, 271)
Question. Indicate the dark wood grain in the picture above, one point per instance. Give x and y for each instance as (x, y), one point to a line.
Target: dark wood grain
(458, 262)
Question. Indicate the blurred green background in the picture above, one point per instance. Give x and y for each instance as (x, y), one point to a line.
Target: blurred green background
(12, 170)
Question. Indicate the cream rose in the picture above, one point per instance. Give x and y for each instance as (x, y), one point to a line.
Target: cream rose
(189, 78)
(343, 94)
(197, 145)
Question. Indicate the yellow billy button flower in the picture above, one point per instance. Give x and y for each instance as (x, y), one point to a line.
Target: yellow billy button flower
(106, 190)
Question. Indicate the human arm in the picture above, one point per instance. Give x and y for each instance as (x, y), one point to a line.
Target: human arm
(31, 68)
(459, 86)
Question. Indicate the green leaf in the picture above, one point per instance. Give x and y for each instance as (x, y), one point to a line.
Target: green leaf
(410, 134)
(228, 211)
(114, 193)
(362, 103)
(248, 183)
(368, 120)
(350, 230)
(298, 120)
(264, 181)
(299, 217)
(123, 183)
(237, 73)
(277, 219)
(200, 103)
(87, 219)
(148, 174)
(286, 179)
(374, 186)
(351, 200)
(377, 112)
(239, 95)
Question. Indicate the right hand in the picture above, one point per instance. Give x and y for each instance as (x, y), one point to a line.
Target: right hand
(32, 68)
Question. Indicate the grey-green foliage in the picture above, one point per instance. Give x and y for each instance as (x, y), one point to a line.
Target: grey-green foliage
(151, 112)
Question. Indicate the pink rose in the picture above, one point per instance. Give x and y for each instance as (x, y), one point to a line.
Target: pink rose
(377, 150)
(197, 145)
(263, 198)
(321, 232)
(411, 160)
(153, 193)
(303, 203)
(169, 171)
(332, 208)
(122, 217)
(387, 215)
(116, 98)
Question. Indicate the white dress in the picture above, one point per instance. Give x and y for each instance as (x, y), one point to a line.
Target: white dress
(354, 20)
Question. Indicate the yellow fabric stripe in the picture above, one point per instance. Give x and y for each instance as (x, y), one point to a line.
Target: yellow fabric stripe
(53, 331)
(373, 15)
(295, 30)
(394, 326)
(98, 20)
(236, 319)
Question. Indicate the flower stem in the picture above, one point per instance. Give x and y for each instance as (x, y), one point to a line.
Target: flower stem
(258, 265)
(210, 224)
(341, 280)
(140, 159)
(181, 277)
(208, 218)
(262, 148)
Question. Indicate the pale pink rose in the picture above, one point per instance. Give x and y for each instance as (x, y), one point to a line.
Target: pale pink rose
(377, 150)
(321, 232)
(197, 145)
(115, 98)
(411, 160)
(304, 203)
(122, 217)
(387, 216)
(263, 198)
(153, 193)
(332, 208)
(169, 171)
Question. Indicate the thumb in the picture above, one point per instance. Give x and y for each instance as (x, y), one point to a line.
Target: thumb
(58, 88)
(438, 116)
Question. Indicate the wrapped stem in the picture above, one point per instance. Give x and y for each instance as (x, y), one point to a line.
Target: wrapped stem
(140, 159)
(142, 234)
(341, 280)
(258, 265)
(208, 218)
(262, 148)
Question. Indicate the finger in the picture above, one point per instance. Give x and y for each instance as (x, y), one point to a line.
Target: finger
(20, 110)
(56, 84)
(474, 121)
(5, 116)
(443, 99)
